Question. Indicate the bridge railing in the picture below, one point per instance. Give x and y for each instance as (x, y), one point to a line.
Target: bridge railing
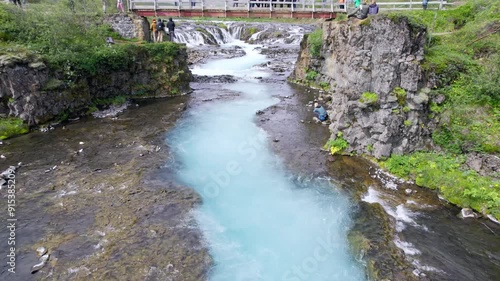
(249, 5)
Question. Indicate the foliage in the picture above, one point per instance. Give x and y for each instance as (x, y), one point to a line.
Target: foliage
(467, 65)
(314, 42)
(464, 188)
(12, 126)
(407, 123)
(324, 85)
(311, 75)
(369, 98)
(337, 144)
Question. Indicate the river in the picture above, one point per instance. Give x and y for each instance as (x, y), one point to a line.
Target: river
(260, 222)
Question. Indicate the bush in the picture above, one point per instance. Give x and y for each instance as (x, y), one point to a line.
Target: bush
(336, 145)
(314, 42)
(311, 75)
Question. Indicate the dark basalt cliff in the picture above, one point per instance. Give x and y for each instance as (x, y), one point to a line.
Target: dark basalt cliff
(30, 90)
(379, 92)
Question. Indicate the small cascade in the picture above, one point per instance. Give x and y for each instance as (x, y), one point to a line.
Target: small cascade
(217, 33)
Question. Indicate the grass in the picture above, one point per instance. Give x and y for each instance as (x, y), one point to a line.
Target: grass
(466, 65)
(444, 173)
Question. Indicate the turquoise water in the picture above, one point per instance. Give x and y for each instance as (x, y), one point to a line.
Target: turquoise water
(259, 221)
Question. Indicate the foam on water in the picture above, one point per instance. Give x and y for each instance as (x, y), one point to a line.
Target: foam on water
(259, 221)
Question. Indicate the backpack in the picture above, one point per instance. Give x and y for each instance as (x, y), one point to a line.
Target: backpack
(159, 26)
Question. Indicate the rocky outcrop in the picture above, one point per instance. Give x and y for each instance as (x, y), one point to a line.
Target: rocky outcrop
(379, 92)
(129, 26)
(30, 90)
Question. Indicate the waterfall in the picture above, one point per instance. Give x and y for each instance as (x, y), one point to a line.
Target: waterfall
(217, 33)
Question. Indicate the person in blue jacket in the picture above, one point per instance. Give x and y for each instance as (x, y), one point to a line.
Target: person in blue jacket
(320, 112)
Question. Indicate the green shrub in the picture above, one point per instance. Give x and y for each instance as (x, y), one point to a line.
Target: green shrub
(11, 127)
(336, 145)
(443, 172)
(311, 75)
(314, 42)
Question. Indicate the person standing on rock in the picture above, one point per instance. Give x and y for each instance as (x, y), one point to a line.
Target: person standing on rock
(373, 8)
(171, 27)
(320, 112)
(152, 28)
(119, 6)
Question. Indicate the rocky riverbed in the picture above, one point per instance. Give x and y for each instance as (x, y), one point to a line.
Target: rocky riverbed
(95, 195)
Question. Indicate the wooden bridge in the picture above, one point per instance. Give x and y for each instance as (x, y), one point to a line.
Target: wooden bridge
(259, 8)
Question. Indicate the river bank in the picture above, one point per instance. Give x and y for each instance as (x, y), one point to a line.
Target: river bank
(94, 194)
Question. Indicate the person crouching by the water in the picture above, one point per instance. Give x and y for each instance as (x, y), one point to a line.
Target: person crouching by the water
(320, 112)
(361, 12)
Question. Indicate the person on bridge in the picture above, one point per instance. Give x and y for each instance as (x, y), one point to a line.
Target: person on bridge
(373, 8)
(171, 27)
(152, 28)
(320, 112)
(361, 12)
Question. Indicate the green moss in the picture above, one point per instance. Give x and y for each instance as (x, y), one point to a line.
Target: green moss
(400, 94)
(406, 109)
(11, 127)
(369, 98)
(407, 123)
(53, 84)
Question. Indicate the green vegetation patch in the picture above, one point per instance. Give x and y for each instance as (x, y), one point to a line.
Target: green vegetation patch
(311, 75)
(11, 127)
(368, 98)
(336, 145)
(442, 172)
(314, 42)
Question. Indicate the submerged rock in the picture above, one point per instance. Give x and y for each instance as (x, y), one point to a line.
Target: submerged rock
(225, 79)
(43, 261)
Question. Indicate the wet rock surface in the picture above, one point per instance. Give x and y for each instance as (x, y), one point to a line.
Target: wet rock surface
(214, 79)
(108, 210)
